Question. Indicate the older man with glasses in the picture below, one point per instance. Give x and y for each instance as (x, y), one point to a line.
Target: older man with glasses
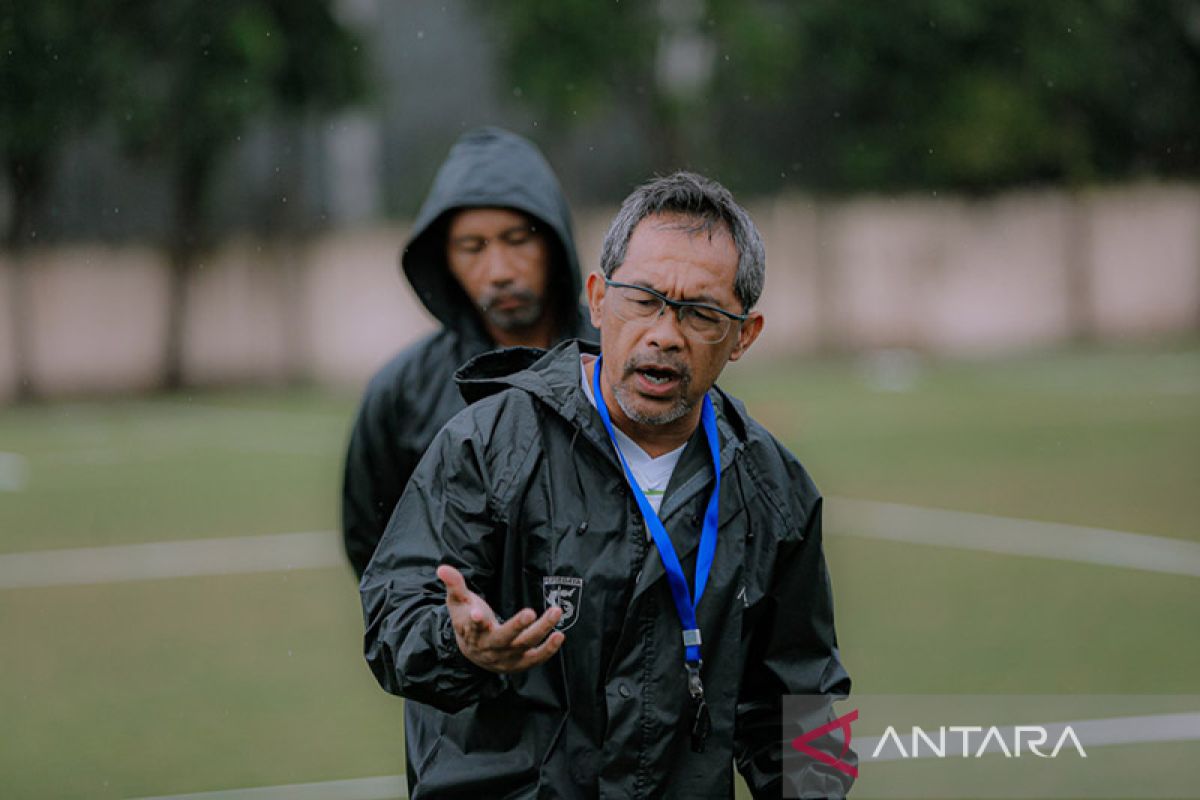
(605, 575)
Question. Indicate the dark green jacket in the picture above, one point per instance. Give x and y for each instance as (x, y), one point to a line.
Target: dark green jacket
(522, 490)
(413, 395)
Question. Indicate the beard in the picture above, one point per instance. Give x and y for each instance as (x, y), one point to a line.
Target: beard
(626, 396)
(525, 315)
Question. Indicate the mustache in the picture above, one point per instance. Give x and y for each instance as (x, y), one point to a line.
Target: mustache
(660, 362)
(491, 299)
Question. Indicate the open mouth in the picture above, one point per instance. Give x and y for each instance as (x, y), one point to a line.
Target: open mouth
(656, 380)
(657, 376)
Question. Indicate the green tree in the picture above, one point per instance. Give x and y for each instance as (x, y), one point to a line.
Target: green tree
(991, 93)
(576, 60)
(54, 74)
(199, 73)
(971, 95)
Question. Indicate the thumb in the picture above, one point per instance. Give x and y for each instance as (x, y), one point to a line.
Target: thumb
(456, 585)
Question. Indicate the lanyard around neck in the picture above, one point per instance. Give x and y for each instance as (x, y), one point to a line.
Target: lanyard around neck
(685, 607)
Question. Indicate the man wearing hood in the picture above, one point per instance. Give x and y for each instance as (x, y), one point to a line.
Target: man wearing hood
(492, 256)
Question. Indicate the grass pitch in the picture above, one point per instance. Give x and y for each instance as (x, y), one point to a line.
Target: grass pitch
(209, 683)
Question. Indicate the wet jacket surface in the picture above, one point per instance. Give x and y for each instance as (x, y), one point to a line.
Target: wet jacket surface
(523, 493)
(413, 395)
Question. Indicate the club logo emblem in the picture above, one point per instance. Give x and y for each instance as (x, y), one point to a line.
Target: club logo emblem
(565, 593)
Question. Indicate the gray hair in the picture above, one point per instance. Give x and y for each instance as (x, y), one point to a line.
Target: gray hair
(710, 205)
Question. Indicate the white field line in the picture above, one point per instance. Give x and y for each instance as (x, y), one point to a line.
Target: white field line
(1090, 732)
(183, 559)
(318, 549)
(386, 787)
(1008, 536)
(14, 472)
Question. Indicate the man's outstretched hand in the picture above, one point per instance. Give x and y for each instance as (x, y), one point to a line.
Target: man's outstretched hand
(522, 642)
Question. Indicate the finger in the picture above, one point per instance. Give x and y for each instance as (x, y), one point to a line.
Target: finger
(539, 629)
(482, 618)
(543, 652)
(504, 635)
(455, 583)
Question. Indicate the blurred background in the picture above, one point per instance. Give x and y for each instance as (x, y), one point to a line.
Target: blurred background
(983, 336)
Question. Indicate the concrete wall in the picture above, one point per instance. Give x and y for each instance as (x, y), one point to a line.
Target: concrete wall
(938, 275)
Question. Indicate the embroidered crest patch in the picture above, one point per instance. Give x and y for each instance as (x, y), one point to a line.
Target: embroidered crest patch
(565, 593)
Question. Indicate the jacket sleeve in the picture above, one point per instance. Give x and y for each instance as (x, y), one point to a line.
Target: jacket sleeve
(378, 466)
(447, 515)
(791, 649)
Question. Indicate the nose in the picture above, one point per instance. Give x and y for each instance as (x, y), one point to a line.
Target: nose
(665, 332)
(498, 263)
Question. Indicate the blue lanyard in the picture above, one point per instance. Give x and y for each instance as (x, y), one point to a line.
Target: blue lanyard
(708, 535)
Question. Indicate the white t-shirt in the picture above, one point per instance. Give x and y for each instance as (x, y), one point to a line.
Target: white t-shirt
(652, 474)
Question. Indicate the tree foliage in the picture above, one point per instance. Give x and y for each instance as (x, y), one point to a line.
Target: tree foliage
(966, 94)
(53, 80)
(179, 81)
(201, 71)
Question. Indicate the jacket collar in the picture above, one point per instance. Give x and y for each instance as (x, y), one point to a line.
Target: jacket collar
(553, 378)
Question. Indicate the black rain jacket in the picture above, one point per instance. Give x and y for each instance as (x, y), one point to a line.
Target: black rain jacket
(523, 493)
(413, 395)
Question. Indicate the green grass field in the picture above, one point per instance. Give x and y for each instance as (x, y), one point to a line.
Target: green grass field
(208, 683)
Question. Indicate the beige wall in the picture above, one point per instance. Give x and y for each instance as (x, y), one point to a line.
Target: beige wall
(939, 275)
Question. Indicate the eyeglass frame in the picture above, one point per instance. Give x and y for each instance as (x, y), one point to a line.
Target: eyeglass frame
(678, 305)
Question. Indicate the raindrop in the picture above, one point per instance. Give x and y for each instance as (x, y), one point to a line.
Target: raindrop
(420, 34)
(284, 198)
(517, 91)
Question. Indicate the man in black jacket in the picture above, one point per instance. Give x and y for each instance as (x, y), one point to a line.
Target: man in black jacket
(492, 256)
(604, 575)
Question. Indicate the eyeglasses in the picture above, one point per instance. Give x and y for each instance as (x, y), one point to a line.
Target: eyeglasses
(707, 323)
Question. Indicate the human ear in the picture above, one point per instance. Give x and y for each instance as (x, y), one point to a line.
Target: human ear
(747, 333)
(595, 294)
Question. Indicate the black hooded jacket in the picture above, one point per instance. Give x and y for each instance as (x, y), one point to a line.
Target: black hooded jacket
(413, 395)
(522, 492)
